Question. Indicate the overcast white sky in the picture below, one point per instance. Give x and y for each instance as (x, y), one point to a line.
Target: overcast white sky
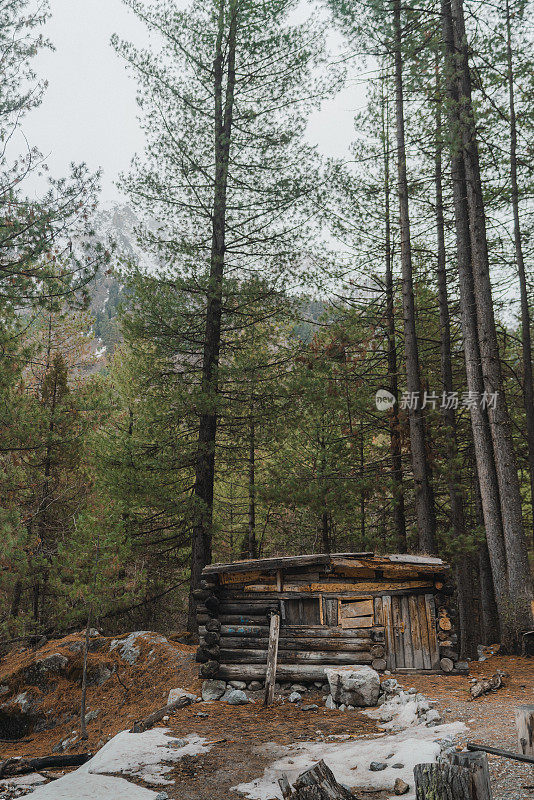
(89, 111)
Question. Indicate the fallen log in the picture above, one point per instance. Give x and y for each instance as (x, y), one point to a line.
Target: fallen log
(497, 751)
(157, 716)
(316, 783)
(23, 766)
(486, 685)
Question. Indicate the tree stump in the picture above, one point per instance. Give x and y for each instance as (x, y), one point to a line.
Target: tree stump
(524, 719)
(477, 764)
(316, 783)
(467, 778)
(441, 782)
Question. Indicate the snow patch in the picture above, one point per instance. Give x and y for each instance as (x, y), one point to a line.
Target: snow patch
(350, 760)
(148, 756)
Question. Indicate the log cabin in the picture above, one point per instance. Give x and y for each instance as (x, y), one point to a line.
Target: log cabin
(392, 612)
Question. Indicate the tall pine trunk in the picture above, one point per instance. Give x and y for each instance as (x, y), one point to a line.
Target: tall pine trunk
(424, 498)
(207, 431)
(395, 450)
(519, 580)
(483, 445)
(526, 343)
(463, 570)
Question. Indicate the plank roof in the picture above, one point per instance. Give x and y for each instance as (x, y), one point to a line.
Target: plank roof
(366, 559)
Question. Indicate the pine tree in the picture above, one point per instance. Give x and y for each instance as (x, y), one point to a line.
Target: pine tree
(228, 175)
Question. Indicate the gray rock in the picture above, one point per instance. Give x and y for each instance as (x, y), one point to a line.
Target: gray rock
(318, 684)
(175, 695)
(24, 702)
(4, 689)
(377, 766)
(355, 686)
(235, 697)
(390, 686)
(255, 686)
(412, 690)
(98, 675)
(397, 766)
(237, 684)
(350, 708)
(162, 796)
(325, 687)
(401, 787)
(127, 649)
(297, 687)
(310, 707)
(330, 703)
(92, 715)
(432, 717)
(294, 697)
(41, 670)
(213, 690)
(342, 707)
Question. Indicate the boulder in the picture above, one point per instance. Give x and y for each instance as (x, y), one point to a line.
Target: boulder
(41, 671)
(127, 648)
(235, 697)
(294, 697)
(98, 674)
(356, 686)
(213, 690)
(175, 695)
(330, 703)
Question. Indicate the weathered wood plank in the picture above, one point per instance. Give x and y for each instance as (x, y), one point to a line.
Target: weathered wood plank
(407, 638)
(272, 658)
(432, 635)
(423, 627)
(379, 614)
(357, 622)
(418, 661)
(241, 656)
(388, 631)
(358, 608)
(292, 643)
(398, 631)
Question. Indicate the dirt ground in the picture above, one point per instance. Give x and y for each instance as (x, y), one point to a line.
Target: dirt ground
(134, 691)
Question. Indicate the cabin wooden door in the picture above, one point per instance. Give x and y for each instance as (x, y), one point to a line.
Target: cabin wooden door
(410, 630)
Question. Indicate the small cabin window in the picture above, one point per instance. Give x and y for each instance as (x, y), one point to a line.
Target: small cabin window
(356, 613)
(304, 611)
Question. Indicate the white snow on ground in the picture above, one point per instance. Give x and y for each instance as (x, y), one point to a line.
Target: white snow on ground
(350, 760)
(34, 779)
(146, 755)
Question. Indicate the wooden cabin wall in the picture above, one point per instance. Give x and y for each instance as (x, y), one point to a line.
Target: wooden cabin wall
(233, 613)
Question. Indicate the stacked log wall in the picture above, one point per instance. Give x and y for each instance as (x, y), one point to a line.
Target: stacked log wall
(233, 613)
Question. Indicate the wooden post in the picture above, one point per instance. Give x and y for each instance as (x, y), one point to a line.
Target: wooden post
(272, 657)
(477, 764)
(466, 778)
(436, 782)
(524, 720)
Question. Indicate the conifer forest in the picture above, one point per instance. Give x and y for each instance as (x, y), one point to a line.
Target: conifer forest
(263, 350)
